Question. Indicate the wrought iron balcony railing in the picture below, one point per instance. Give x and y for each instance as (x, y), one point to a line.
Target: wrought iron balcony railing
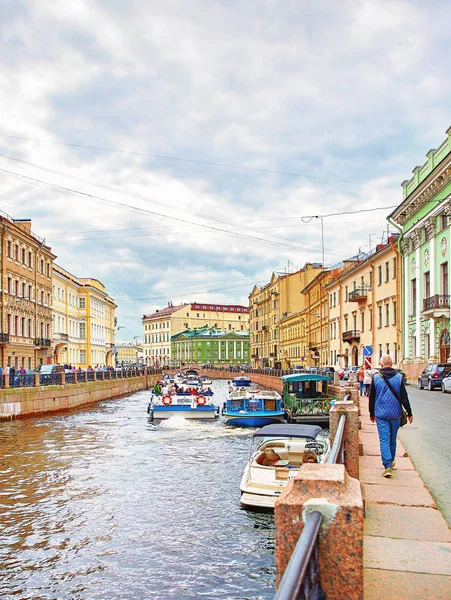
(4, 337)
(437, 301)
(46, 343)
(348, 336)
(358, 294)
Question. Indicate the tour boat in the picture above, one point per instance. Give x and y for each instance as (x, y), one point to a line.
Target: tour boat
(306, 398)
(183, 404)
(242, 381)
(253, 407)
(279, 453)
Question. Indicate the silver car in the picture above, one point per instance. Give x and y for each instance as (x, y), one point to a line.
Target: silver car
(446, 383)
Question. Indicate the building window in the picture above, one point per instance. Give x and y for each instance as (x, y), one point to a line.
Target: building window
(362, 322)
(371, 319)
(380, 351)
(444, 277)
(394, 268)
(29, 259)
(346, 293)
(23, 256)
(427, 285)
(380, 316)
(387, 271)
(387, 349)
(8, 249)
(82, 303)
(379, 275)
(394, 313)
(387, 315)
(414, 297)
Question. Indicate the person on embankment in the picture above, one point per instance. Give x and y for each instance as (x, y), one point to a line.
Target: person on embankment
(387, 394)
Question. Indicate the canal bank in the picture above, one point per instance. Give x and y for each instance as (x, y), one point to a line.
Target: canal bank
(32, 401)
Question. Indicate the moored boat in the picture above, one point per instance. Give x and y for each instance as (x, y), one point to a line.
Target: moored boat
(278, 454)
(253, 407)
(306, 397)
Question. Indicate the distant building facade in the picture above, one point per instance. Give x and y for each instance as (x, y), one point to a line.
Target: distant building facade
(364, 308)
(25, 298)
(423, 217)
(83, 321)
(162, 325)
(210, 346)
(268, 305)
(128, 353)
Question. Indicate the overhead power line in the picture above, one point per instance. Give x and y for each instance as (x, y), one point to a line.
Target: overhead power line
(199, 162)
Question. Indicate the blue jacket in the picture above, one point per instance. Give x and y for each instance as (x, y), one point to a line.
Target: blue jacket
(383, 403)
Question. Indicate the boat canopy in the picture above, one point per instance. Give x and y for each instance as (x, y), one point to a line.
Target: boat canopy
(288, 430)
(305, 377)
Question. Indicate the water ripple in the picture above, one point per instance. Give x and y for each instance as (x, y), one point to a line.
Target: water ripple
(101, 504)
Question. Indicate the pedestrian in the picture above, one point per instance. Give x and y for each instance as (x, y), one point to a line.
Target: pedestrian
(361, 377)
(387, 394)
(12, 375)
(367, 379)
(22, 373)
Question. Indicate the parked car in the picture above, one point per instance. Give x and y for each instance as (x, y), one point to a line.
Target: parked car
(446, 384)
(433, 375)
(348, 372)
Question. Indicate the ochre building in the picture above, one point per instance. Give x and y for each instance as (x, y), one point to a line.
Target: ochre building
(25, 299)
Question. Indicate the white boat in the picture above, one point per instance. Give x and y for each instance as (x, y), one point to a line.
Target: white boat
(188, 406)
(279, 453)
(253, 407)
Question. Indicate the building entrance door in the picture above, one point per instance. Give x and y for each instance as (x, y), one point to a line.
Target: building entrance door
(444, 346)
(355, 356)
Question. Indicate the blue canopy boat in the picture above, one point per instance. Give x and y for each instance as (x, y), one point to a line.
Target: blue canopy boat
(253, 407)
(306, 397)
(242, 381)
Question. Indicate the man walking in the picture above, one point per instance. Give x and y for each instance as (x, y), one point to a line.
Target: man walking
(387, 394)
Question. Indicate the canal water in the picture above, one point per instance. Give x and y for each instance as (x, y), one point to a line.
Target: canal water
(100, 503)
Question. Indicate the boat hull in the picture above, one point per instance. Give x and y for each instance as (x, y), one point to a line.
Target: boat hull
(252, 420)
(159, 413)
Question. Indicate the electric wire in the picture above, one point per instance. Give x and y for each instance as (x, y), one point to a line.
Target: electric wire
(199, 162)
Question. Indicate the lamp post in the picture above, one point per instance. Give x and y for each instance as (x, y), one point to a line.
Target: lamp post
(136, 337)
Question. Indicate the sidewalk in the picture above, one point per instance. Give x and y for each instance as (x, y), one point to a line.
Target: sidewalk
(407, 542)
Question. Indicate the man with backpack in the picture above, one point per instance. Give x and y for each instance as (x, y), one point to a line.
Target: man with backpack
(388, 395)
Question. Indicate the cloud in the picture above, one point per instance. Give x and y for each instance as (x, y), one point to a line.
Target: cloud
(343, 93)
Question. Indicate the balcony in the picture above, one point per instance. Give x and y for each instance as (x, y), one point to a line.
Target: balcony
(4, 338)
(254, 355)
(351, 336)
(436, 306)
(272, 355)
(61, 336)
(358, 294)
(313, 347)
(43, 342)
(265, 328)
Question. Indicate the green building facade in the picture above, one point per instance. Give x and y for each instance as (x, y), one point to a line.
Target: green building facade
(210, 345)
(423, 219)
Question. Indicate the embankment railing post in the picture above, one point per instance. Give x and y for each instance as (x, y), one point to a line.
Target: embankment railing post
(328, 489)
(351, 433)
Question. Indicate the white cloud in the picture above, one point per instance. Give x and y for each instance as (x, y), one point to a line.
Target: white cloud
(352, 91)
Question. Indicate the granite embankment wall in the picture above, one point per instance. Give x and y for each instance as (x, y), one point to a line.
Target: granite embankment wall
(31, 401)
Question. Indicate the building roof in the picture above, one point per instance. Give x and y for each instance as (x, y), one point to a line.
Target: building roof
(164, 311)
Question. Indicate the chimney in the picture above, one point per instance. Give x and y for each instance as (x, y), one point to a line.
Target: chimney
(24, 224)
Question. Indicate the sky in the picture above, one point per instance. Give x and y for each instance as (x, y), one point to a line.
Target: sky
(175, 150)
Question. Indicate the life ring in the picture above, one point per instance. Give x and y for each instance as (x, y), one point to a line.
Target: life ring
(167, 400)
(201, 401)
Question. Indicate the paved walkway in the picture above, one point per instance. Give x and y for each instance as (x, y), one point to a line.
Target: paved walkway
(407, 542)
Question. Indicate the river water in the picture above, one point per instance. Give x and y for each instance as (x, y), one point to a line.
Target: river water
(100, 503)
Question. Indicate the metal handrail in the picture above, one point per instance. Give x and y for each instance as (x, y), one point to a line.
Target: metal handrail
(301, 579)
(336, 455)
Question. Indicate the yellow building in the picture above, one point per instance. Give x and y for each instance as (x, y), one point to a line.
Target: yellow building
(83, 321)
(159, 327)
(25, 297)
(292, 340)
(274, 302)
(364, 308)
(316, 315)
(128, 353)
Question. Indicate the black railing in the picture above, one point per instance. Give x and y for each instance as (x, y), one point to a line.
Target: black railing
(17, 380)
(353, 334)
(4, 337)
(301, 580)
(357, 294)
(46, 343)
(337, 452)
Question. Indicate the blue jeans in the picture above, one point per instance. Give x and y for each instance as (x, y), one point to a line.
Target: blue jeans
(362, 388)
(387, 430)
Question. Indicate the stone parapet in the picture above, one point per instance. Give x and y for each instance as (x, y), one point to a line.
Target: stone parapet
(351, 433)
(331, 491)
(31, 401)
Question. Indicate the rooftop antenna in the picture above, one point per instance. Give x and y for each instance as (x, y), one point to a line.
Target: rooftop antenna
(369, 239)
